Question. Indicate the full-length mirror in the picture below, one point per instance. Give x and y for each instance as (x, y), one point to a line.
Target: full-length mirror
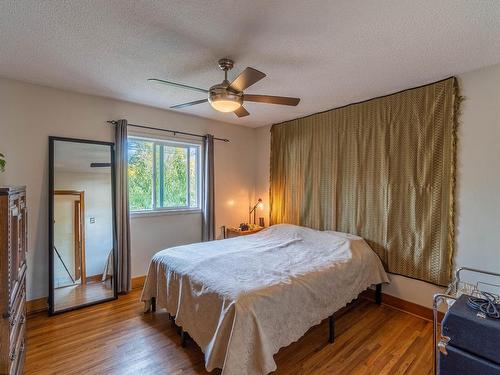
(82, 240)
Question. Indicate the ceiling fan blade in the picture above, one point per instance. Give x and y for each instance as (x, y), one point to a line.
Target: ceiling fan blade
(189, 104)
(241, 112)
(180, 85)
(283, 100)
(246, 79)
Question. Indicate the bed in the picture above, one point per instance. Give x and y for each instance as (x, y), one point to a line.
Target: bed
(244, 298)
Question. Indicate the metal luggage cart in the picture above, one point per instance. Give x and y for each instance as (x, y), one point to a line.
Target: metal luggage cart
(458, 287)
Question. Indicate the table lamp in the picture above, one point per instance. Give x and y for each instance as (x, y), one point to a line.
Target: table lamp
(258, 204)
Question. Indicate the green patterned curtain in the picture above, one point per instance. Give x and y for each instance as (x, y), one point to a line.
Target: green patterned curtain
(383, 169)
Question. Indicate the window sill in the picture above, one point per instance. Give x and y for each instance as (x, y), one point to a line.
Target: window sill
(139, 214)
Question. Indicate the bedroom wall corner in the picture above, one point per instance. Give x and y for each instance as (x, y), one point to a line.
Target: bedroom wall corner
(263, 153)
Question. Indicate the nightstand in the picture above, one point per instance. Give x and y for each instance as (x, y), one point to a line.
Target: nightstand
(236, 232)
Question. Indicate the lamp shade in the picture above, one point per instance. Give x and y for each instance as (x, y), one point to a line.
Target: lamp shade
(225, 101)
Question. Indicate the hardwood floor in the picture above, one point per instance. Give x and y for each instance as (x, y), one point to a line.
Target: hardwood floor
(117, 338)
(80, 294)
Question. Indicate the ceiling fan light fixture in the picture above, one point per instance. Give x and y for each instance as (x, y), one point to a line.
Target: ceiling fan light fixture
(225, 106)
(228, 96)
(225, 101)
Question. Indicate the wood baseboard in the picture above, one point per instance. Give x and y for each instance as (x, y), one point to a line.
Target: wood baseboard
(37, 305)
(138, 282)
(403, 305)
(94, 278)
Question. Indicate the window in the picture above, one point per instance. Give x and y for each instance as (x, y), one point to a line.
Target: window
(163, 175)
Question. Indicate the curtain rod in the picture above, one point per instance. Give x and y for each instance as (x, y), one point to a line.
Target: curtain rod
(175, 132)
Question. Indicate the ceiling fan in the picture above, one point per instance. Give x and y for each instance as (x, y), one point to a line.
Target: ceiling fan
(228, 96)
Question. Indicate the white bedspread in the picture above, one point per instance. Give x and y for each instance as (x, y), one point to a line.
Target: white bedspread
(242, 299)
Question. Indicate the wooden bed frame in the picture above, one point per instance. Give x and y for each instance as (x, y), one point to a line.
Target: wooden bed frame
(331, 320)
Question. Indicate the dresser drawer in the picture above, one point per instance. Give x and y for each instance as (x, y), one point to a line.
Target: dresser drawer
(17, 353)
(19, 369)
(18, 285)
(17, 318)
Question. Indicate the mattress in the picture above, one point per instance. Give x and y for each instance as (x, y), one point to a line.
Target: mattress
(244, 298)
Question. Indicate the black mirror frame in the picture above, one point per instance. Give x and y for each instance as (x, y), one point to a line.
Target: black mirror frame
(51, 222)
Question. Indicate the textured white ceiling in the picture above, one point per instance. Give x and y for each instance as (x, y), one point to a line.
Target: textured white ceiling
(326, 52)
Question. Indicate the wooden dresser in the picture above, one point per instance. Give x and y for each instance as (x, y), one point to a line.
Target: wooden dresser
(13, 244)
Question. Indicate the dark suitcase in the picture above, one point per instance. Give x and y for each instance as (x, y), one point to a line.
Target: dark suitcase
(459, 362)
(473, 345)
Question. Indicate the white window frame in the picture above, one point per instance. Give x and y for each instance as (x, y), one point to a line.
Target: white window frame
(175, 142)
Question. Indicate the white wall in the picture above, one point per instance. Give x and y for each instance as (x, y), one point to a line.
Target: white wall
(30, 113)
(478, 183)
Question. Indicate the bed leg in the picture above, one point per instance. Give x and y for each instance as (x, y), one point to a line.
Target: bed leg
(378, 294)
(183, 338)
(172, 320)
(153, 304)
(331, 327)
